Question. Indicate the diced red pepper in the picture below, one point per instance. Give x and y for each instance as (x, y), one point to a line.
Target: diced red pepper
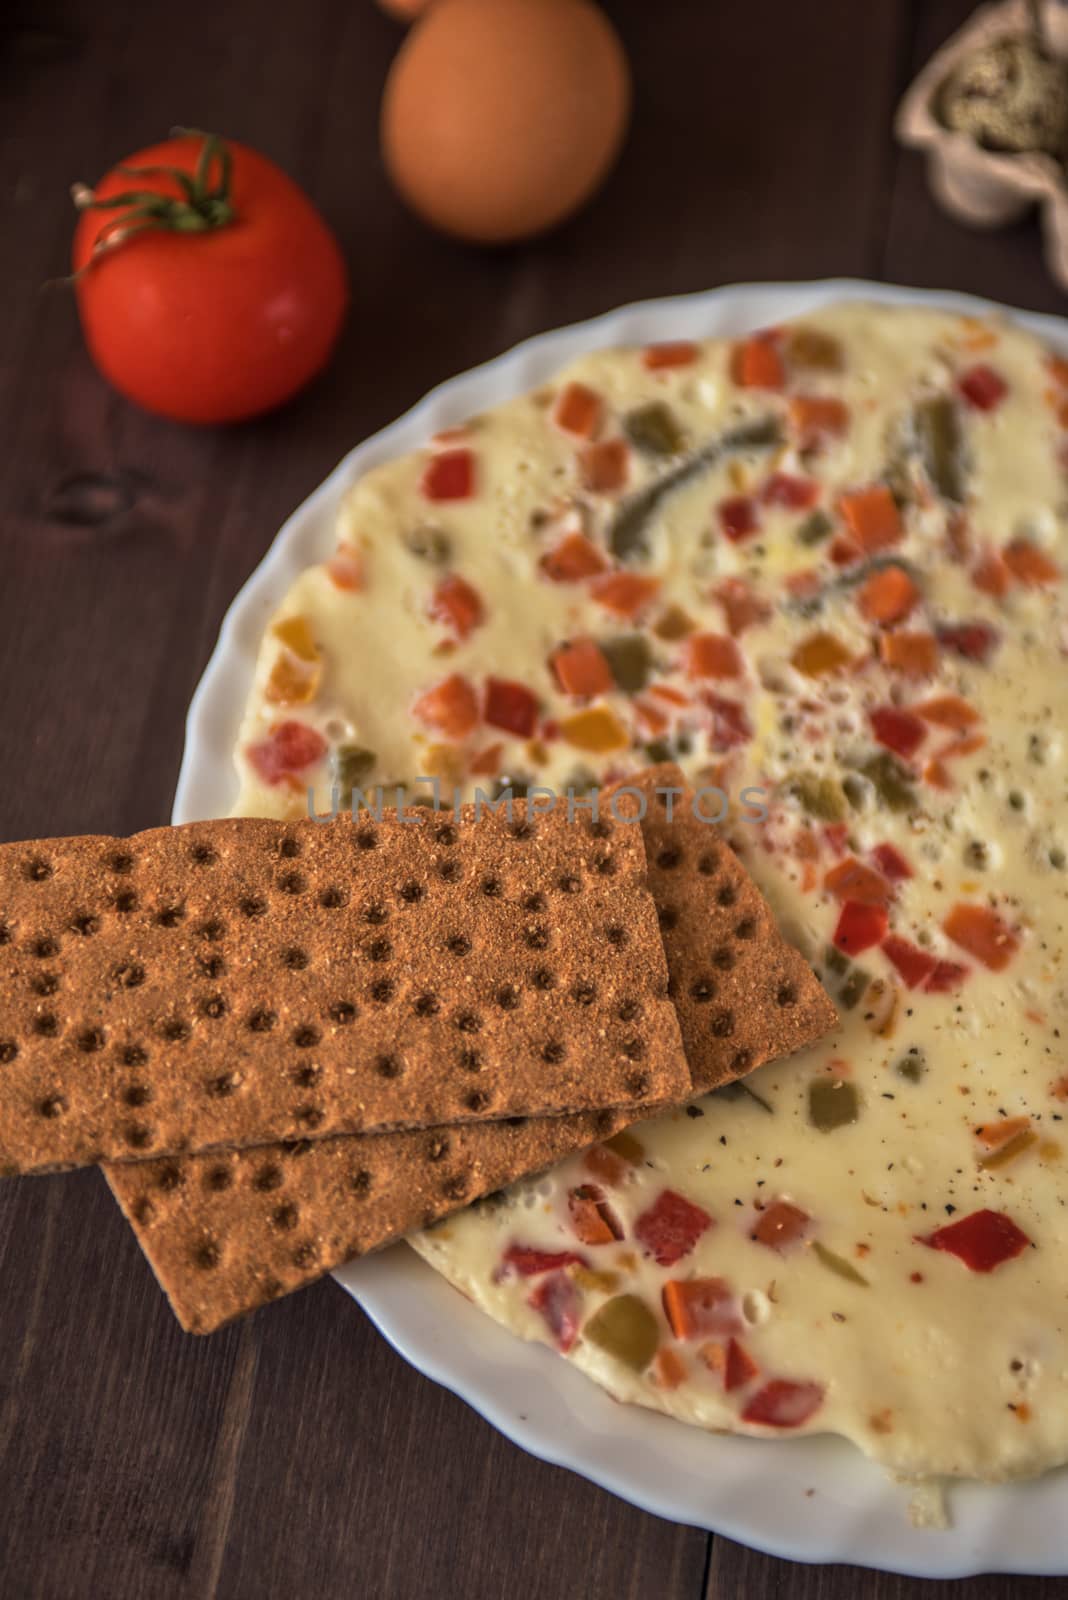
(887, 597)
(625, 593)
(1030, 565)
(578, 410)
(450, 707)
(449, 475)
(528, 1261)
(783, 1404)
(741, 606)
(983, 1241)
(784, 489)
(916, 966)
(730, 724)
(740, 1368)
(557, 1300)
(891, 863)
(581, 667)
(671, 1227)
(457, 605)
(713, 655)
(946, 977)
(842, 551)
(738, 517)
(605, 466)
(289, 748)
(592, 1217)
(818, 418)
(674, 353)
(898, 730)
(860, 927)
(984, 935)
(982, 387)
(780, 1225)
(852, 880)
(872, 517)
(975, 641)
(757, 364)
(573, 559)
(511, 707)
(695, 1307)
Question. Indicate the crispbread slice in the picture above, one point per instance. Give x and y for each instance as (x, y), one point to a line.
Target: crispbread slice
(743, 995)
(228, 1231)
(243, 981)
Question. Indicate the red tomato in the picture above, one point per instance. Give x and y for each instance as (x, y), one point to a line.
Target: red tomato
(982, 1241)
(219, 322)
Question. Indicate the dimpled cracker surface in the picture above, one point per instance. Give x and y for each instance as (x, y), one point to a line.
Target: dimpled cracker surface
(743, 995)
(228, 1231)
(242, 981)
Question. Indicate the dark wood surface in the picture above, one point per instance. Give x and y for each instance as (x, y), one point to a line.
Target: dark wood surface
(294, 1454)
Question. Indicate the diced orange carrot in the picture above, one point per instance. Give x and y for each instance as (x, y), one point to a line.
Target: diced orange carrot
(573, 559)
(669, 1369)
(487, 763)
(456, 604)
(872, 517)
(913, 654)
(1059, 1089)
(596, 729)
(948, 711)
(450, 707)
(780, 1224)
(937, 774)
(604, 466)
(651, 719)
(993, 1134)
(625, 593)
(1028, 564)
(757, 364)
(887, 596)
(674, 697)
(1057, 367)
(714, 1355)
(677, 353)
(962, 746)
(852, 880)
(739, 1368)
(578, 410)
(983, 934)
(820, 654)
(992, 575)
(713, 655)
(741, 606)
(581, 667)
(591, 1217)
(817, 417)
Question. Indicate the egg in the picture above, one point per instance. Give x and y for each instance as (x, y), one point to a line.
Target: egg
(500, 117)
(404, 10)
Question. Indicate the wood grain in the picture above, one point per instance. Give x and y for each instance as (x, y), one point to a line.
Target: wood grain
(295, 1454)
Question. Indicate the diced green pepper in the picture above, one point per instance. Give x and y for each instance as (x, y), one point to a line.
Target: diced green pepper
(626, 1329)
(832, 1103)
(838, 1264)
(852, 988)
(819, 796)
(429, 544)
(353, 766)
(891, 780)
(658, 751)
(655, 429)
(630, 660)
(816, 527)
(938, 434)
(912, 1065)
(834, 961)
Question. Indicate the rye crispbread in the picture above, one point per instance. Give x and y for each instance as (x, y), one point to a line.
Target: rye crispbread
(743, 995)
(243, 981)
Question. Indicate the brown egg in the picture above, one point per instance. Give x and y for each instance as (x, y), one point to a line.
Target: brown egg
(404, 10)
(500, 117)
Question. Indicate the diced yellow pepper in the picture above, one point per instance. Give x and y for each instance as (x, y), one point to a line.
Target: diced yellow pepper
(443, 761)
(293, 681)
(598, 730)
(821, 653)
(296, 635)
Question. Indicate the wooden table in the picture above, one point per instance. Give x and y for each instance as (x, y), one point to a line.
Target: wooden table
(294, 1454)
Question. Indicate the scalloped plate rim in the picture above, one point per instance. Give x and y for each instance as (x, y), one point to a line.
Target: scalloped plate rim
(812, 1499)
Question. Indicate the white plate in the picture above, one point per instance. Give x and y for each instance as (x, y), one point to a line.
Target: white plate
(810, 1499)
